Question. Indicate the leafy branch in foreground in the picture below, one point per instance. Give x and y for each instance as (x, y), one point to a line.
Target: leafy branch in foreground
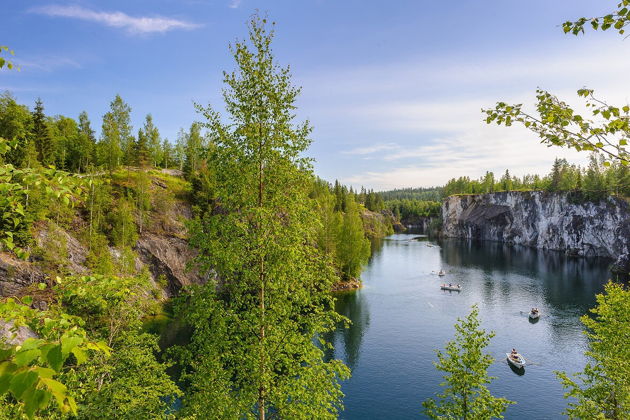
(559, 125)
(28, 369)
(4, 61)
(618, 20)
(465, 365)
(602, 390)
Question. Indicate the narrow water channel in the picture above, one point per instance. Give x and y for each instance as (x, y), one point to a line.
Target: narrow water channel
(401, 316)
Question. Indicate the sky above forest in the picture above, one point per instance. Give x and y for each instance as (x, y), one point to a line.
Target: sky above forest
(393, 89)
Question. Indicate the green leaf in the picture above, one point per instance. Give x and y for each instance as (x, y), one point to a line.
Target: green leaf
(55, 358)
(22, 382)
(23, 358)
(68, 343)
(80, 355)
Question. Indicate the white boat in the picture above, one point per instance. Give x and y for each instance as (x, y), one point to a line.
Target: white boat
(534, 314)
(451, 287)
(516, 360)
(442, 273)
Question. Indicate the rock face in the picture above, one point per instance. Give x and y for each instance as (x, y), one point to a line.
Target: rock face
(554, 221)
(168, 257)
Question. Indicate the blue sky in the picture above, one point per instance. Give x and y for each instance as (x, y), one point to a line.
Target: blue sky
(393, 88)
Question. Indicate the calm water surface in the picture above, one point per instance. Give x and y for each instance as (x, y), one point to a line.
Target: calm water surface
(401, 316)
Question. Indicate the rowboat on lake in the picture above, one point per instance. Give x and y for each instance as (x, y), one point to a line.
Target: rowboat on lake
(515, 359)
(452, 287)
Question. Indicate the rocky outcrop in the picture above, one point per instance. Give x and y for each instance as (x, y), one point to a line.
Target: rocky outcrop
(13, 336)
(16, 274)
(554, 221)
(379, 225)
(168, 259)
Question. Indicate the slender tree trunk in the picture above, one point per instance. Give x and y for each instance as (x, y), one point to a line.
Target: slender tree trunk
(261, 390)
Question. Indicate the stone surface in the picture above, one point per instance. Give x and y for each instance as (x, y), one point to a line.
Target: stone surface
(14, 336)
(554, 221)
(168, 257)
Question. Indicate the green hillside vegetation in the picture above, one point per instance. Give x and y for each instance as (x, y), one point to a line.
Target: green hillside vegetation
(66, 190)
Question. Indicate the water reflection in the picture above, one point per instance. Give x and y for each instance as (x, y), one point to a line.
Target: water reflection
(353, 306)
(401, 316)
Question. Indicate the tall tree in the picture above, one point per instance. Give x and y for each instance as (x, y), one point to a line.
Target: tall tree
(117, 140)
(142, 153)
(41, 135)
(253, 351)
(154, 143)
(167, 154)
(466, 395)
(194, 149)
(602, 389)
(353, 248)
(84, 153)
(15, 125)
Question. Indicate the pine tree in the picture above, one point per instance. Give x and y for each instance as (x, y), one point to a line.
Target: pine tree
(41, 135)
(465, 365)
(252, 350)
(142, 154)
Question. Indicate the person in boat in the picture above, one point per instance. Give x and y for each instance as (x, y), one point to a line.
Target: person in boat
(450, 285)
(514, 353)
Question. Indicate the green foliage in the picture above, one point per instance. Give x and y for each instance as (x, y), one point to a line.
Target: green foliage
(342, 235)
(132, 383)
(252, 351)
(18, 187)
(117, 141)
(41, 137)
(420, 194)
(606, 130)
(353, 248)
(4, 61)
(28, 369)
(195, 144)
(599, 180)
(124, 231)
(616, 20)
(465, 365)
(409, 209)
(15, 126)
(602, 389)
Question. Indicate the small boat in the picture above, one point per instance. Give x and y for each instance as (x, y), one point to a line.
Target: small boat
(534, 314)
(516, 360)
(452, 287)
(441, 273)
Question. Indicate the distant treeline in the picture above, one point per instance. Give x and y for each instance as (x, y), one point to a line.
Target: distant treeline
(423, 194)
(593, 182)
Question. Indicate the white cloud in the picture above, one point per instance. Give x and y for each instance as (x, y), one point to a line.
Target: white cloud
(46, 63)
(234, 4)
(134, 25)
(431, 110)
(368, 150)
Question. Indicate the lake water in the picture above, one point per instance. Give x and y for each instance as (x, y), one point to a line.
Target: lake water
(401, 316)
